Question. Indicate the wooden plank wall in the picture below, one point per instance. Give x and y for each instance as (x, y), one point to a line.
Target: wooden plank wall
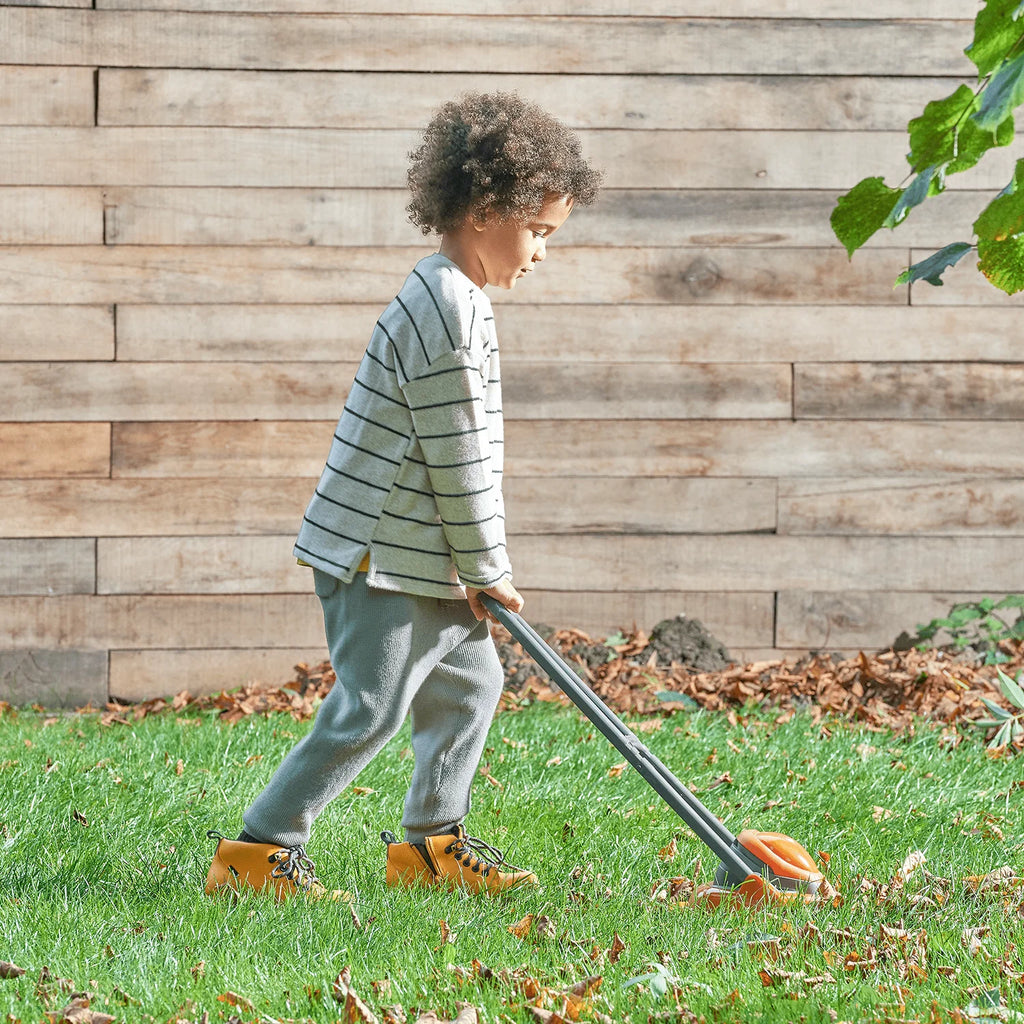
(709, 409)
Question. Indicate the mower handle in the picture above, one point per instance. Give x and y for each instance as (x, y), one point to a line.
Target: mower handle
(712, 832)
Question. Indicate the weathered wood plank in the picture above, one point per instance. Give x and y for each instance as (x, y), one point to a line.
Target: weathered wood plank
(944, 391)
(153, 508)
(47, 566)
(611, 334)
(742, 619)
(964, 285)
(239, 565)
(205, 391)
(133, 622)
(377, 158)
(246, 216)
(888, 9)
(869, 619)
(51, 216)
(63, 450)
(639, 505)
(53, 678)
(52, 96)
(618, 448)
(502, 43)
(623, 217)
(353, 99)
(141, 675)
(957, 506)
(56, 332)
(248, 274)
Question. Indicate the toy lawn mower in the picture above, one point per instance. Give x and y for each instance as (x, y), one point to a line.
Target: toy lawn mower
(754, 867)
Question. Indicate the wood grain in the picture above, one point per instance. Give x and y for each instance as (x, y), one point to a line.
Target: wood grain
(868, 619)
(54, 216)
(203, 621)
(501, 43)
(402, 99)
(248, 274)
(937, 391)
(888, 9)
(377, 158)
(64, 450)
(54, 678)
(140, 675)
(622, 217)
(48, 95)
(591, 333)
(154, 507)
(56, 332)
(47, 566)
(612, 448)
(596, 562)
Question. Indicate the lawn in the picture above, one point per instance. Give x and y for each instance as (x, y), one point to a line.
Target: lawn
(103, 833)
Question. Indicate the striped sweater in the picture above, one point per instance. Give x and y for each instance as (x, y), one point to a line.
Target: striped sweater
(414, 472)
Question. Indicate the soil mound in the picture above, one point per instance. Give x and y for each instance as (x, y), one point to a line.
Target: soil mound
(686, 641)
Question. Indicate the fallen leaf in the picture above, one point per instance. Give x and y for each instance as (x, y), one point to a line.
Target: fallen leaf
(616, 770)
(78, 1012)
(80, 818)
(355, 1010)
(667, 853)
(9, 970)
(363, 790)
(234, 999)
(447, 935)
(522, 927)
(467, 1015)
(618, 947)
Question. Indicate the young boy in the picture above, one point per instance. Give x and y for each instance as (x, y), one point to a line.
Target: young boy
(406, 527)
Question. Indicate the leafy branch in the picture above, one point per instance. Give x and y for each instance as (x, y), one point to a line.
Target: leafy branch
(950, 136)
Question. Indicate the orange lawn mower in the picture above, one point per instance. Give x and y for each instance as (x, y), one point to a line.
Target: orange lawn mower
(754, 868)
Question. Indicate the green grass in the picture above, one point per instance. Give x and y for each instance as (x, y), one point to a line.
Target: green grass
(115, 905)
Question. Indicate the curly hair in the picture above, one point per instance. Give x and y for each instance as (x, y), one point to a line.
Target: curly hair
(496, 153)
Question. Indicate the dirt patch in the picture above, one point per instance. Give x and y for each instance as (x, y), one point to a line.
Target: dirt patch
(686, 641)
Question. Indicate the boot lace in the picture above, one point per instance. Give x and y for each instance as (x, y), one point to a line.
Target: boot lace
(477, 855)
(294, 864)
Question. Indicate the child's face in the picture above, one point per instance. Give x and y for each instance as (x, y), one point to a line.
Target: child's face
(508, 250)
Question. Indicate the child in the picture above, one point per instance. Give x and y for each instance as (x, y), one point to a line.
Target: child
(406, 527)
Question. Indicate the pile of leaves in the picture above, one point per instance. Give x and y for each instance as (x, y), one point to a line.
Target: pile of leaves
(885, 690)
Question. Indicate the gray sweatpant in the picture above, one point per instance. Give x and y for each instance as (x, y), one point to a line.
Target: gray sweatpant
(393, 654)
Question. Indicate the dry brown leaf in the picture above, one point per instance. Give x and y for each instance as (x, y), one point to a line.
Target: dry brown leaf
(616, 770)
(78, 1012)
(618, 947)
(522, 927)
(9, 970)
(667, 853)
(467, 1015)
(447, 935)
(355, 1011)
(234, 999)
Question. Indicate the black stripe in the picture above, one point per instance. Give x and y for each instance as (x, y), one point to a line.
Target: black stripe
(471, 522)
(452, 369)
(445, 405)
(374, 423)
(426, 354)
(319, 557)
(394, 350)
(334, 533)
(341, 504)
(454, 433)
(377, 542)
(437, 307)
(447, 465)
(440, 494)
(365, 451)
(379, 361)
(356, 479)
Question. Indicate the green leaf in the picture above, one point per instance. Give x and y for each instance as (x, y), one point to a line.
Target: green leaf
(931, 268)
(997, 709)
(1002, 262)
(945, 134)
(670, 696)
(985, 723)
(1003, 94)
(1011, 601)
(930, 182)
(1011, 690)
(1002, 737)
(996, 31)
(1004, 216)
(862, 211)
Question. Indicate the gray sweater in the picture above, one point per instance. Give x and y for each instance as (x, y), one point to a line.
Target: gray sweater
(414, 472)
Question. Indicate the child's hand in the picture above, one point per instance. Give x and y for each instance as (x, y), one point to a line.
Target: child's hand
(502, 591)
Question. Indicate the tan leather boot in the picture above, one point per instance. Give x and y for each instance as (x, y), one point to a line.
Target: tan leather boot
(258, 866)
(452, 860)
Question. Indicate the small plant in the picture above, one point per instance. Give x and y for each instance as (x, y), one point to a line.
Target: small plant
(1008, 725)
(978, 624)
